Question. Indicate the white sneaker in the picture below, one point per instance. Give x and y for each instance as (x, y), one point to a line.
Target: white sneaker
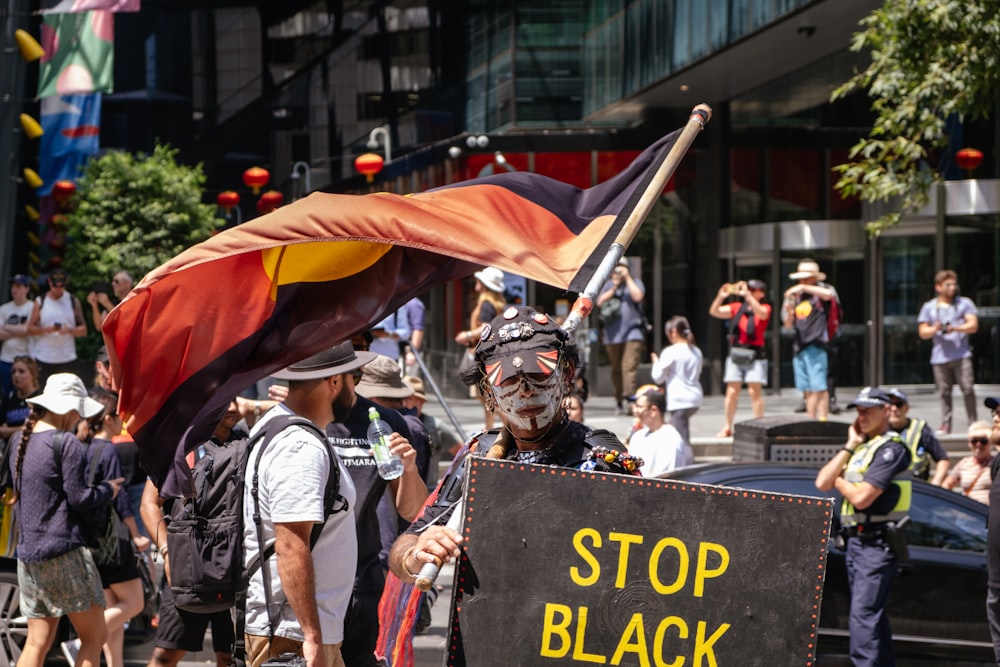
(70, 649)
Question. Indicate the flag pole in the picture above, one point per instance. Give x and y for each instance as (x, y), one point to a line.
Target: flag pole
(584, 304)
(437, 392)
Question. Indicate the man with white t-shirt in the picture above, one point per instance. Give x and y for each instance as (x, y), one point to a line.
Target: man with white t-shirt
(310, 584)
(14, 317)
(657, 443)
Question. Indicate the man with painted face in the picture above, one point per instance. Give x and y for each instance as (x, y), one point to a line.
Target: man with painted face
(525, 366)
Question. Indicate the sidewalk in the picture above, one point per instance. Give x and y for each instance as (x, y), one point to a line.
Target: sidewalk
(710, 418)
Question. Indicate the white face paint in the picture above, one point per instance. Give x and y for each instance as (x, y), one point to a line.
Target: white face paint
(531, 402)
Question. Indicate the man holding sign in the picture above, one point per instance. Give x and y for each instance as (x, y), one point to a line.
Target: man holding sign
(525, 366)
(870, 473)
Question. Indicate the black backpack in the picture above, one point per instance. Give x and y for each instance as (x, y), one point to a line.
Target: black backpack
(205, 533)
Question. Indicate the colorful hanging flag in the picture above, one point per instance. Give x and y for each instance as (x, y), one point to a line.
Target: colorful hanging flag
(72, 136)
(72, 6)
(253, 299)
(79, 54)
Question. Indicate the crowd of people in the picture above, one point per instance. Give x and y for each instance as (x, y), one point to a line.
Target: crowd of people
(320, 598)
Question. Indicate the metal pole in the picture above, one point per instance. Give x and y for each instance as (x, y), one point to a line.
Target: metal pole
(700, 115)
(437, 392)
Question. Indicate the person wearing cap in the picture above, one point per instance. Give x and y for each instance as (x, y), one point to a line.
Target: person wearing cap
(871, 474)
(490, 301)
(925, 448)
(971, 473)
(947, 321)
(524, 366)
(624, 334)
(56, 572)
(56, 321)
(748, 318)
(993, 532)
(805, 307)
(14, 316)
(348, 433)
(310, 586)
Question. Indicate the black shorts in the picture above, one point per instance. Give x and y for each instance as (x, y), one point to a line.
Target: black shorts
(126, 570)
(185, 630)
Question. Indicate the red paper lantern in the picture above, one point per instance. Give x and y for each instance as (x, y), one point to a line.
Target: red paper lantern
(969, 158)
(62, 191)
(369, 164)
(255, 178)
(269, 201)
(227, 200)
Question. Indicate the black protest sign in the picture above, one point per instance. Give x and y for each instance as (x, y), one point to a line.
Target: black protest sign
(565, 567)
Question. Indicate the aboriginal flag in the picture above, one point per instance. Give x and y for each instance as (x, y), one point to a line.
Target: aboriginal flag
(256, 298)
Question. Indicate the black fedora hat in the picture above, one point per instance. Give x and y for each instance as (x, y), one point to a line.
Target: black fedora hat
(332, 361)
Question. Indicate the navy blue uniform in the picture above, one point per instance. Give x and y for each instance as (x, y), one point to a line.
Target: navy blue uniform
(871, 563)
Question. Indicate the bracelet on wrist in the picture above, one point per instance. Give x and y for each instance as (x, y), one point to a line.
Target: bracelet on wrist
(402, 563)
(849, 451)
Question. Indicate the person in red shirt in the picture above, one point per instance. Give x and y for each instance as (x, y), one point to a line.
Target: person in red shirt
(746, 361)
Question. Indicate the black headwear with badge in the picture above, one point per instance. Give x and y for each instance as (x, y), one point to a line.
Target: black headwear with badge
(519, 340)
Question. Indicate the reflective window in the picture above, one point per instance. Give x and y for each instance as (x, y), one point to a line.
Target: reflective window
(935, 522)
(939, 524)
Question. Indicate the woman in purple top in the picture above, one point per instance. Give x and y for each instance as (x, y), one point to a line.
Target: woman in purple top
(55, 571)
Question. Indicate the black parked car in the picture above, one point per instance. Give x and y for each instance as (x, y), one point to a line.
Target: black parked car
(937, 607)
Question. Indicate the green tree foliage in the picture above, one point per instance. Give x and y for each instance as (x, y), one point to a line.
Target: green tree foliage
(133, 213)
(931, 59)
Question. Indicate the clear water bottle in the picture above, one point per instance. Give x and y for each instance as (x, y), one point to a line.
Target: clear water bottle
(389, 465)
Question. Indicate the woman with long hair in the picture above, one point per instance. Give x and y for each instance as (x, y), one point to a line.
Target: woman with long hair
(14, 408)
(121, 581)
(490, 302)
(678, 366)
(56, 573)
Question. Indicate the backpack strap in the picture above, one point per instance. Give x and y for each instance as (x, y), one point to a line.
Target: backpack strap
(331, 498)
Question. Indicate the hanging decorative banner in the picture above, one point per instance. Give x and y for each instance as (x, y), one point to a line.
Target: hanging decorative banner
(79, 54)
(72, 137)
(580, 567)
(74, 6)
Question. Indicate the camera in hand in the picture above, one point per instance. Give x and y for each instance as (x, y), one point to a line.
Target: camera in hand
(286, 659)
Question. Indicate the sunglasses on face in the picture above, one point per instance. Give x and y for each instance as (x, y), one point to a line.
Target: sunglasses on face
(58, 283)
(979, 441)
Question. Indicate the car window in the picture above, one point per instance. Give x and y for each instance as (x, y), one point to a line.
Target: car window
(935, 522)
(942, 524)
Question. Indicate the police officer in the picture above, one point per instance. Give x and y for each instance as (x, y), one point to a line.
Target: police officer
(871, 473)
(924, 446)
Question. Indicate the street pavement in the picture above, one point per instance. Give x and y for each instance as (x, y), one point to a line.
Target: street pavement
(601, 413)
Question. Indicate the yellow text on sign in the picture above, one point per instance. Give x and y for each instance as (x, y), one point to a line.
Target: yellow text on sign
(712, 561)
(558, 640)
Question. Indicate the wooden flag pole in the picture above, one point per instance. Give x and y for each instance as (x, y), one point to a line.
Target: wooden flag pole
(584, 304)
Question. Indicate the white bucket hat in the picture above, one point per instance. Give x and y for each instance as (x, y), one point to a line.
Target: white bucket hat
(491, 278)
(807, 269)
(63, 393)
